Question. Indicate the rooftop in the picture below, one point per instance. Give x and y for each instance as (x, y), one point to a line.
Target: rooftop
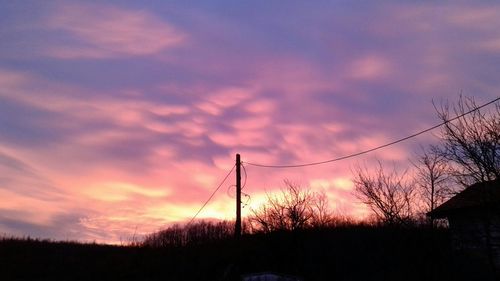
(478, 195)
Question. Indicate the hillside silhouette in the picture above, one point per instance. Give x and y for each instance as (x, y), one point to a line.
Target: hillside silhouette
(351, 252)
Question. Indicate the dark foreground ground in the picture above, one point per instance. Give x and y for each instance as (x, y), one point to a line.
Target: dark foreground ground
(353, 253)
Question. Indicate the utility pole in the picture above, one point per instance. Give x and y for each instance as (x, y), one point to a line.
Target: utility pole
(237, 226)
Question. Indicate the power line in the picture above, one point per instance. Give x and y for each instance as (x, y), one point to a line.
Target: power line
(212, 195)
(375, 148)
(229, 192)
(243, 186)
(246, 176)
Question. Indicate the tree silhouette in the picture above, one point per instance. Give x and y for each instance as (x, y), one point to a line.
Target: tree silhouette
(432, 177)
(196, 233)
(471, 143)
(294, 208)
(389, 195)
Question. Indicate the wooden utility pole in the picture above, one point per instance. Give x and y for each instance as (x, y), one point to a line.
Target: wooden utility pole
(237, 226)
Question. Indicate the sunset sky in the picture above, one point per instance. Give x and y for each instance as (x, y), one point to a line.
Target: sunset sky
(121, 117)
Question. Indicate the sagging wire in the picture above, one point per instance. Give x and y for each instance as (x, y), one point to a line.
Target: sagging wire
(246, 176)
(374, 148)
(230, 193)
(246, 195)
(211, 196)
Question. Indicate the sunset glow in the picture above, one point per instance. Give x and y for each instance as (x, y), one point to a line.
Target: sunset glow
(119, 119)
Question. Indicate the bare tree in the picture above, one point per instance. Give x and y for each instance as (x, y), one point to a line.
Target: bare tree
(294, 208)
(389, 195)
(432, 177)
(472, 142)
(321, 214)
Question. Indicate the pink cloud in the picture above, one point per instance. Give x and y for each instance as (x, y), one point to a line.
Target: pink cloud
(339, 183)
(98, 186)
(40, 211)
(168, 110)
(167, 178)
(122, 191)
(492, 45)
(128, 159)
(261, 106)
(292, 77)
(370, 67)
(217, 101)
(252, 123)
(104, 31)
(210, 108)
(228, 97)
(474, 17)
